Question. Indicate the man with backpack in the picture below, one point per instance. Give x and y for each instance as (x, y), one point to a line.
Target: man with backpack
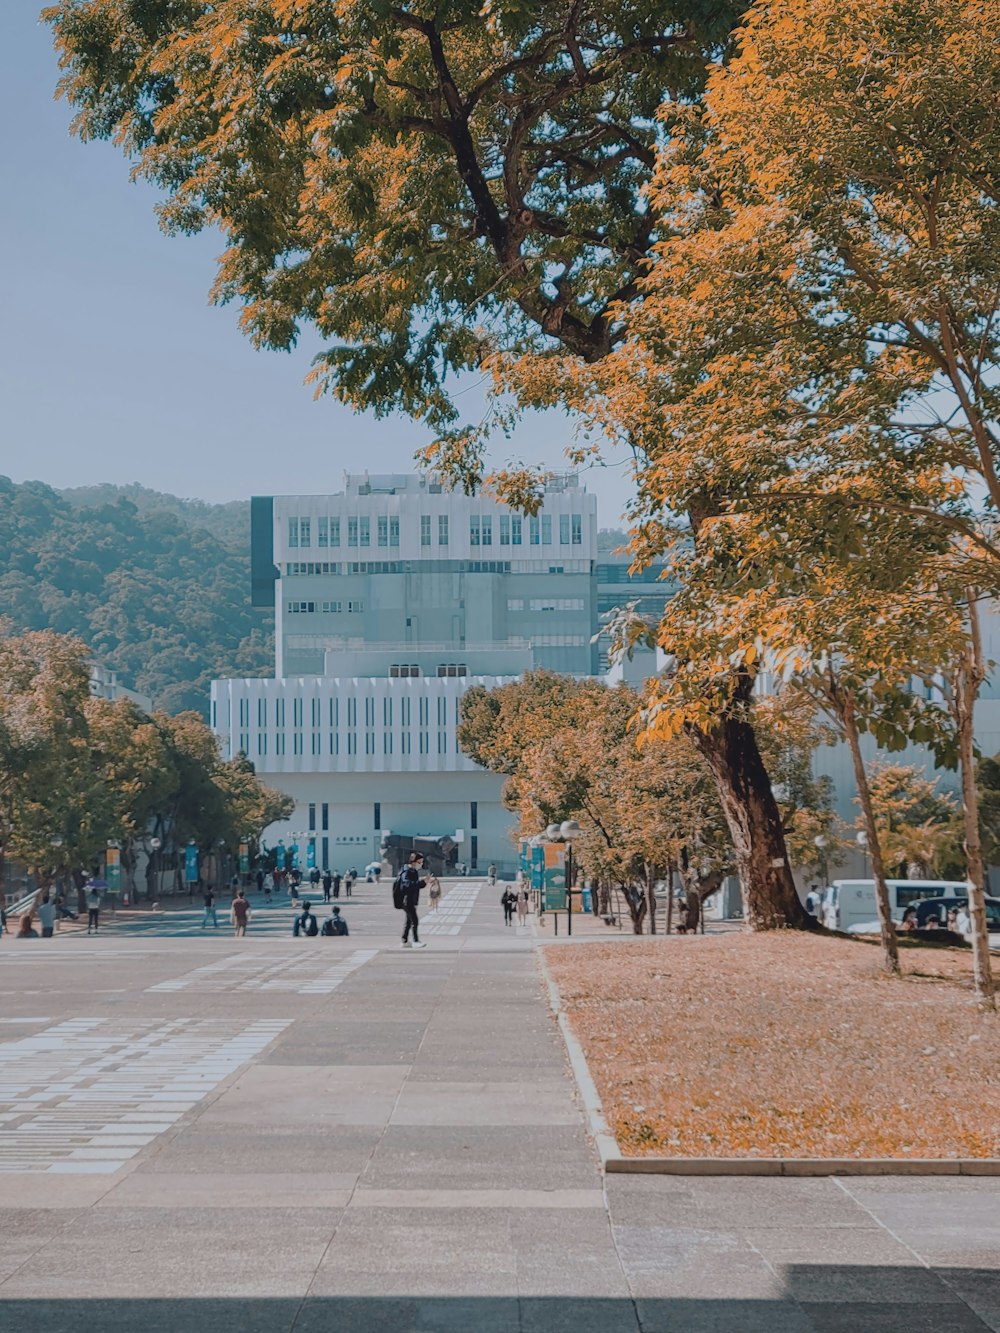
(335, 924)
(327, 885)
(406, 895)
(306, 924)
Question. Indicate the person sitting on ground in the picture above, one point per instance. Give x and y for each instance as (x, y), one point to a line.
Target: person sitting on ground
(932, 922)
(909, 921)
(335, 924)
(306, 924)
(25, 930)
(952, 914)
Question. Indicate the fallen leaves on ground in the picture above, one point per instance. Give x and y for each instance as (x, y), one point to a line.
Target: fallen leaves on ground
(784, 1045)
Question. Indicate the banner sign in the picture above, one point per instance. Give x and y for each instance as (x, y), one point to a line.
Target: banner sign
(191, 865)
(311, 854)
(555, 875)
(113, 869)
(244, 858)
(279, 857)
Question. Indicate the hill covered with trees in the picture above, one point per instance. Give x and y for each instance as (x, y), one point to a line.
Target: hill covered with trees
(157, 586)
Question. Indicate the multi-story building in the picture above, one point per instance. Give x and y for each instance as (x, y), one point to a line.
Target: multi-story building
(391, 598)
(401, 560)
(104, 684)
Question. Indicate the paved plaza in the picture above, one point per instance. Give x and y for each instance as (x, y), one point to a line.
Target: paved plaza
(274, 1134)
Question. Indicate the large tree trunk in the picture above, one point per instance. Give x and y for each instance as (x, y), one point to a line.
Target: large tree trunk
(651, 897)
(770, 899)
(890, 945)
(968, 677)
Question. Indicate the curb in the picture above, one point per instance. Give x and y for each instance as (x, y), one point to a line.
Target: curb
(614, 1163)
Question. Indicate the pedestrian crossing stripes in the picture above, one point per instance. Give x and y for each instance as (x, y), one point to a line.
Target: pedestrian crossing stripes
(311, 974)
(87, 1094)
(452, 911)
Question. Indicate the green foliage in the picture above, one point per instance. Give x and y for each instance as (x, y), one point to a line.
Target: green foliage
(919, 826)
(84, 770)
(152, 590)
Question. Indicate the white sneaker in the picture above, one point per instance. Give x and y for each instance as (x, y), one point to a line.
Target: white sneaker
(417, 945)
(406, 945)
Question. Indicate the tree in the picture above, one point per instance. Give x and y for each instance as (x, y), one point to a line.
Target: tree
(429, 190)
(919, 826)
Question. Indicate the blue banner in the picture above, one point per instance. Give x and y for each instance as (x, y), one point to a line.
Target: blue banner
(191, 865)
(279, 858)
(311, 855)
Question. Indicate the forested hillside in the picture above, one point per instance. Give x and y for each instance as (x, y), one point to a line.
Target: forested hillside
(158, 587)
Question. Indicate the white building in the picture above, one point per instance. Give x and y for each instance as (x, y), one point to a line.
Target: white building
(104, 684)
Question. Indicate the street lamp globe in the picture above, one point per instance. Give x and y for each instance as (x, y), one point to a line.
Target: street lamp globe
(56, 841)
(862, 838)
(155, 844)
(820, 841)
(569, 829)
(553, 832)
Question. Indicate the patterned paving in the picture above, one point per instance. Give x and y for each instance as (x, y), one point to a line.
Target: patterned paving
(85, 1095)
(314, 973)
(452, 912)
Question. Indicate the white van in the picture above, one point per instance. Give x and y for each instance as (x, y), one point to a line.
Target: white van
(851, 902)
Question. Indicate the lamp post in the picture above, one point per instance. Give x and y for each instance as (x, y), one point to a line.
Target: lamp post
(154, 861)
(862, 841)
(820, 841)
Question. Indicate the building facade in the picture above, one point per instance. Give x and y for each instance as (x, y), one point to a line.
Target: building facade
(399, 559)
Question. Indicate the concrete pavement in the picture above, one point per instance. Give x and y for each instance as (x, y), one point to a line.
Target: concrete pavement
(302, 1134)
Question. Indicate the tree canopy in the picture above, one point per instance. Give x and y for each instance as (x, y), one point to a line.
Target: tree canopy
(155, 596)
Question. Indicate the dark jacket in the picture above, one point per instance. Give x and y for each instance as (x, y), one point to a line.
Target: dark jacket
(411, 884)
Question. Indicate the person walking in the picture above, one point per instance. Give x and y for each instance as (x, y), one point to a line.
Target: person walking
(46, 913)
(522, 906)
(210, 912)
(407, 895)
(349, 882)
(240, 914)
(93, 909)
(491, 874)
(507, 901)
(327, 885)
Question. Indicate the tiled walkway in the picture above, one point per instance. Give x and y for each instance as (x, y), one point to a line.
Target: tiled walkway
(285, 1134)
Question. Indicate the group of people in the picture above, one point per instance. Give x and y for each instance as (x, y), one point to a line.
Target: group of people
(332, 881)
(514, 900)
(957, 920)
(306, 923)
(48, 909)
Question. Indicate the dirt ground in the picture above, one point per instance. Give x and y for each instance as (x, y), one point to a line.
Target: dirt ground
(784, 1045)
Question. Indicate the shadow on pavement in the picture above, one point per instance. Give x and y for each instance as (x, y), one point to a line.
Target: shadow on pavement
(816, 1298)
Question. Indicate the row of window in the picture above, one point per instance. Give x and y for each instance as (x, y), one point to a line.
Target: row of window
(351, 744)
(407, 670)
(546, 604)
(328, 608)
(332, 709)
(510, 530)
(307, 567)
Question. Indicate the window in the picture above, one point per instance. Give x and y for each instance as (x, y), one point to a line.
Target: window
(305, 537)
(450, 669)
(352, 532)
(296, 712)
(332, 608)
(442, 712)
(301, 608)
(546, 529)
(487, 529)
(425, 529)
(474, 530)
(334, 531)
(442, 529)
(355, 607)
(279, 712)
(405, 710)
(293, 532)
(577, 528)
(533, 530)
(383, 531)
(515, 603)
(474, 851)
(403, 670)
(564, 529)
(378, 816)
(387, 712)
(515, 530)
(394, 531)
(473, 814)
(556, 604)
(352, 712)
(322, 532)
(504, 529)
(424, 712)
(364, 532)
(369, 712)
(312, 818)
(262, 712)
(325, 816)
(314, 712)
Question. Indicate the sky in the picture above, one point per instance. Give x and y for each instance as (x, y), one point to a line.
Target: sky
(113, 364)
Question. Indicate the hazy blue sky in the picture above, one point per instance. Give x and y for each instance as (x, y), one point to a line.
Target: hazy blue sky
(116, 368)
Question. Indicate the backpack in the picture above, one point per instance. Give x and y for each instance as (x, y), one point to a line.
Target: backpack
(327, 928)
(312, 927)
(339, 926)
(398, 892)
